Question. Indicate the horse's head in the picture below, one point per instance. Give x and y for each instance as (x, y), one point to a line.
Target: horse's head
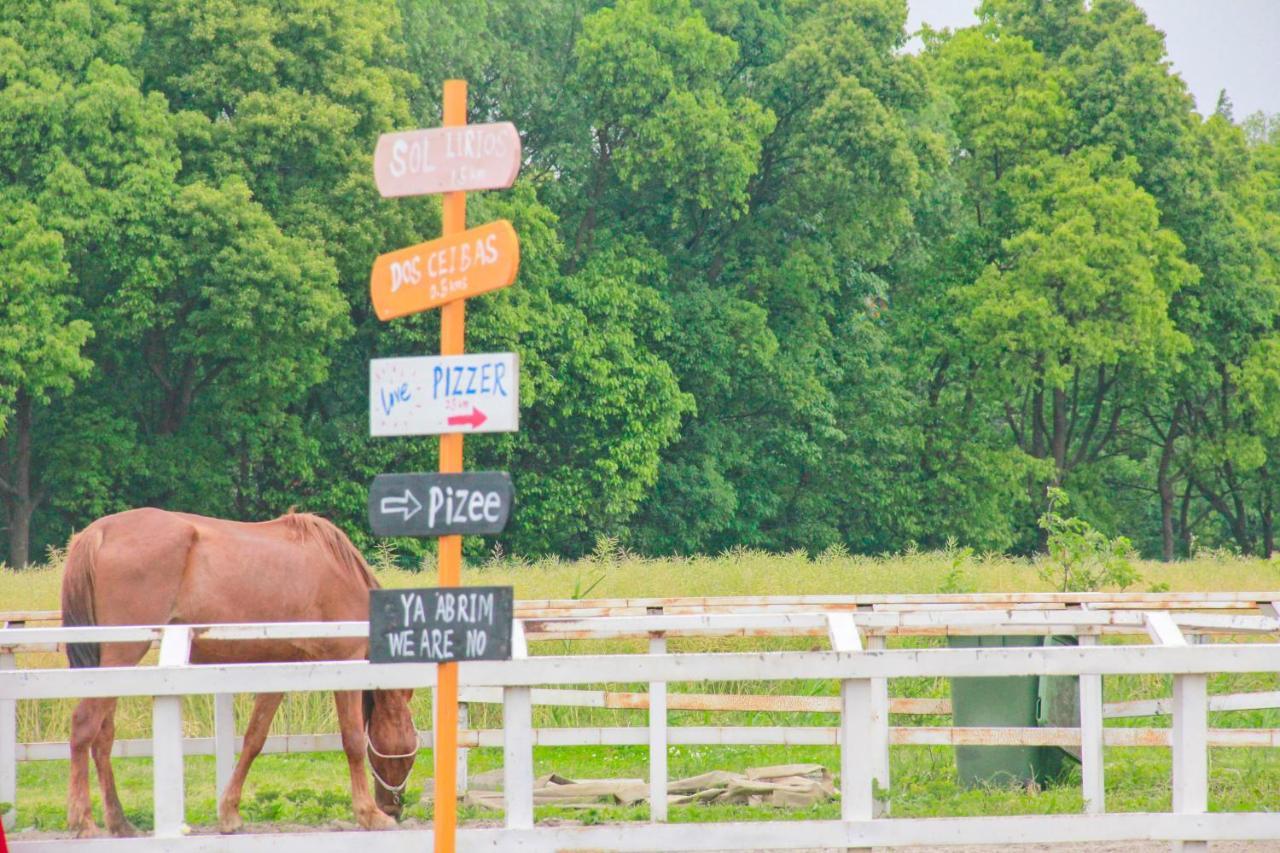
(392, 741)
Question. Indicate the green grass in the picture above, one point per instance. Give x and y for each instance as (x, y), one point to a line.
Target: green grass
(314, 789)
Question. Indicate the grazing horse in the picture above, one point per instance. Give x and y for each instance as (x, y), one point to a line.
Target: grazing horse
(152, 567)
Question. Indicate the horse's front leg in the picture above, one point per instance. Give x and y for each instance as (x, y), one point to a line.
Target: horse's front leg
(351, 722)
(264, 708)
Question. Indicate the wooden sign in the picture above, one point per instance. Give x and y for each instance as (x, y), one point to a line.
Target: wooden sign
(447, 159)
(431, 274)
(440, 624)
(434, 395)
(470, 504)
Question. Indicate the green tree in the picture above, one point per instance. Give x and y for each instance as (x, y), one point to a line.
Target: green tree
(41, 354)
(1078, 306)
(87, 158)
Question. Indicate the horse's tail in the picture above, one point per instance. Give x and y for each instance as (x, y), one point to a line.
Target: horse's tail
(77, 596)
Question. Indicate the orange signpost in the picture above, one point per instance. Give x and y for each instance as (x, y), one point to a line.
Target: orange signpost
(456, 266)
(442, 274)
(443, 159)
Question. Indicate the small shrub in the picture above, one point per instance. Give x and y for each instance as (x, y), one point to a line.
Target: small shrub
(1081, 558)
(835, 552)
(956, 581)
(384, 556)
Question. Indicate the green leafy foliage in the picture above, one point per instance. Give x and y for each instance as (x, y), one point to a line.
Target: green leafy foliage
(1080, 558)
(784, 284)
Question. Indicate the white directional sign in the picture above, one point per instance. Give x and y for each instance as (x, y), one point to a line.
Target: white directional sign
(430, 395)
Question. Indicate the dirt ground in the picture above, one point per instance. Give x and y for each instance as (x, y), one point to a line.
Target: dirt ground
(1093, 847)
(1130, 847)
(1111, 847)
(1125, 847)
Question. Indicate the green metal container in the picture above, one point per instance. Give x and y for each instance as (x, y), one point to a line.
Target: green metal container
(1021, 701)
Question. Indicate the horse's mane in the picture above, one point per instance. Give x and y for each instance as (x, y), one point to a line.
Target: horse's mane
(304, 525)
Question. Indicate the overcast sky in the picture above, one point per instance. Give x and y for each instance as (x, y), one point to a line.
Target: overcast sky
(1213, 44)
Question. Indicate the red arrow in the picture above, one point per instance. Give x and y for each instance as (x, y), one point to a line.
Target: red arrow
(476, 418)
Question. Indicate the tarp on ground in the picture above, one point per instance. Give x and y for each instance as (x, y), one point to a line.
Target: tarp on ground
(785, 785)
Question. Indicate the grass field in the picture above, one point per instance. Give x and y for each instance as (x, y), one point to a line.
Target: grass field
(312, 789)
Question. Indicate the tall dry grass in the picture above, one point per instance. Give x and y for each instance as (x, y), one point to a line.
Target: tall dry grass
(613, 573)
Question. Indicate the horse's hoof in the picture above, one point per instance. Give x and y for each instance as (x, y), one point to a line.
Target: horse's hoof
(124, 829)
(227, 824)
(88, 829)
(377, 820)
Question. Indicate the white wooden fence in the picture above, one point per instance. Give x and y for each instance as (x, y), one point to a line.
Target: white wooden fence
(864, 734)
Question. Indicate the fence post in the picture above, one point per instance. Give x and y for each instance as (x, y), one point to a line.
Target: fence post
(657, 732)
(224, 740)
(857, 724)
(1190, 736)
(517, 742)
(879, 732)
(464, 722)
(166, 738)
(9, 744)
(1092, 772)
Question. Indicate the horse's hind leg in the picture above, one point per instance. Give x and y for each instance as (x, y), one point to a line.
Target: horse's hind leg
(264, 708)
(351, 723)
(92, 727)
(86, 722)
(112, 811)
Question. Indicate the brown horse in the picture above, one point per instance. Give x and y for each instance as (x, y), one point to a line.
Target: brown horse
(152, 567)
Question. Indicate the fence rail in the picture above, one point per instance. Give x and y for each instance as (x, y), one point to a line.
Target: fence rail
(857, 660)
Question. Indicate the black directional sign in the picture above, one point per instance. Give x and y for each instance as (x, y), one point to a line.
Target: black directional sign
(477, 502)
(440, 624)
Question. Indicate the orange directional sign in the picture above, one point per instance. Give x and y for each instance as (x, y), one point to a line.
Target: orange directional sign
(447, 159)
(431, 274)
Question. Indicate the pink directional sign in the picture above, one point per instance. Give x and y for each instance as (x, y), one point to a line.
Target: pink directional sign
(447, 159)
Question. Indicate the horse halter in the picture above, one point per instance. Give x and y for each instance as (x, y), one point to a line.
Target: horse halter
(396, 791)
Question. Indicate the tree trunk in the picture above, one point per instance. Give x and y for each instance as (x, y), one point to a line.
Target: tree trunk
(1037, 422)
(1184, 519)
(1035, 488)
(1268, 526)
(1165, 485)
(1058, 440)
(1240, 519)
(20, 504)
(20, 533)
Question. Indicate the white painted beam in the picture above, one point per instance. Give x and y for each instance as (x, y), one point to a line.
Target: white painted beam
(517, 743)
(878, 745)
(1189, 738)
(461, 759)
(657, 739)
(858, 734)
(8, 750)
(1092, 770)
(224, 740)
(763, 835)
(1164, 630)
(166, 732)
(584, 669)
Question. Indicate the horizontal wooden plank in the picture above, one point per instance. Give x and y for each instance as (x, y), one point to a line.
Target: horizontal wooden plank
(924, 623)
(707, 736)
(701, 701)
(545, 608)
(582, 669)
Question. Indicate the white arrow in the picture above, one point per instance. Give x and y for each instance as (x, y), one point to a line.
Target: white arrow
(409, 505)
